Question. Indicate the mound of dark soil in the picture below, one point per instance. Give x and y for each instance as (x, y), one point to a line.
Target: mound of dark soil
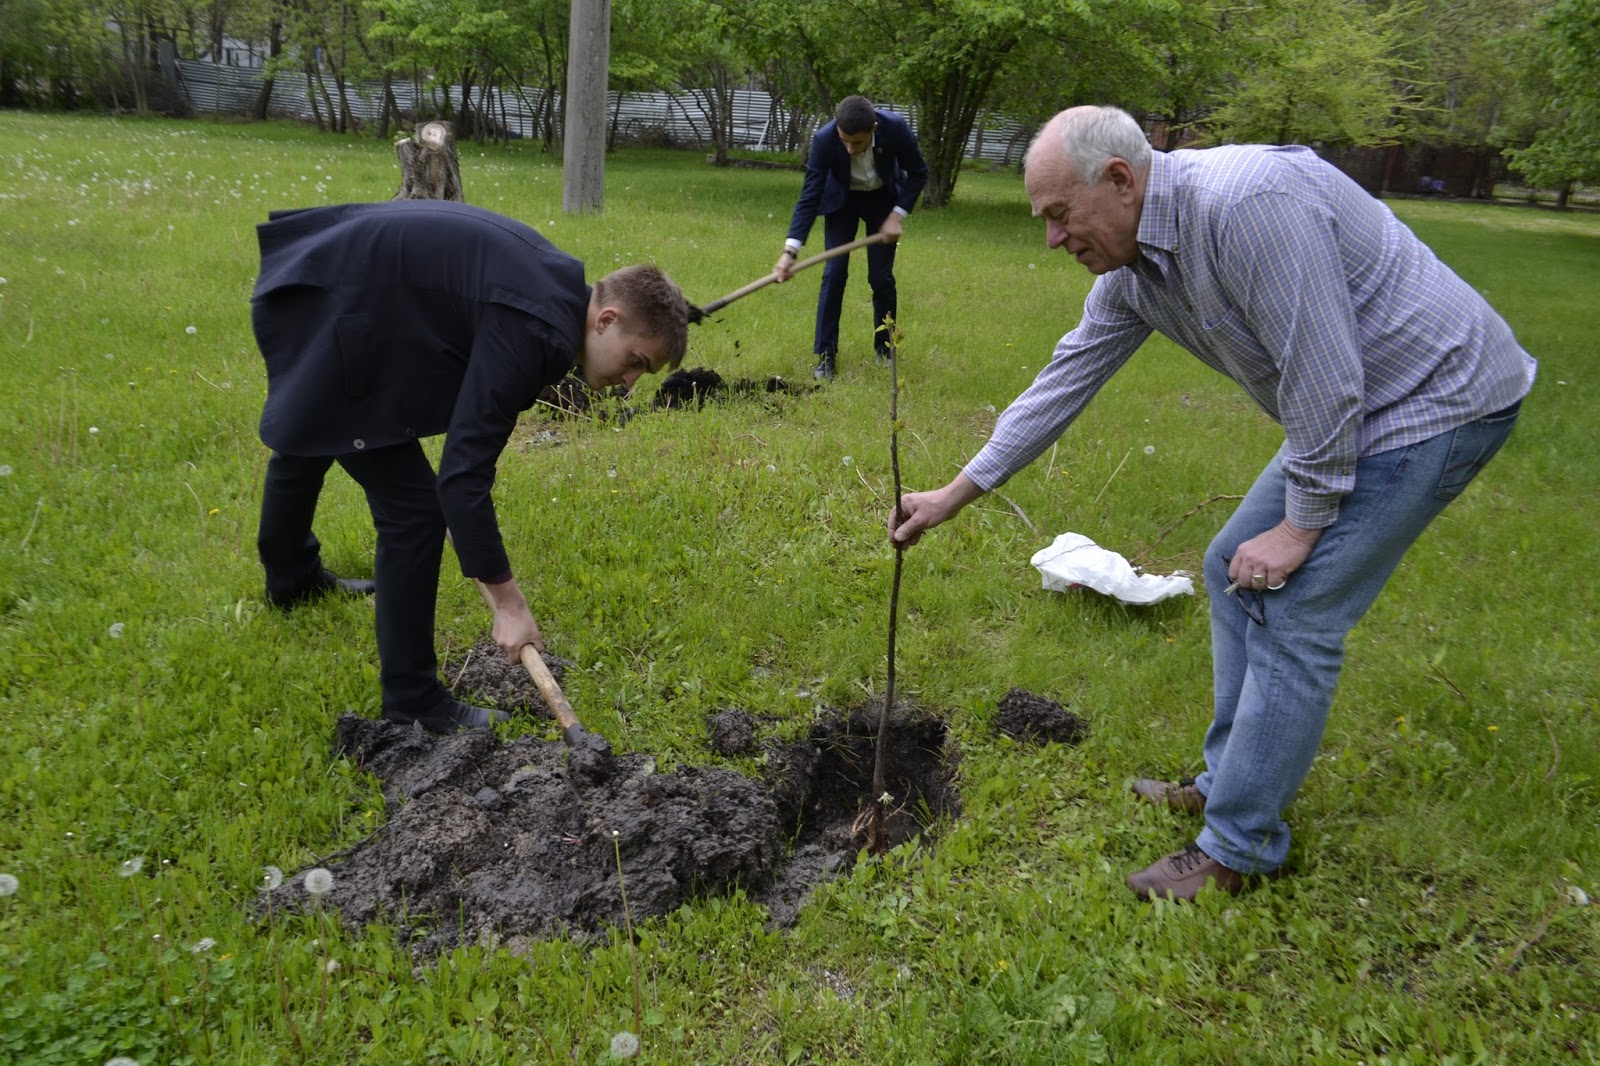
(570, 396)
(1034, 719)
(694, 388)
(493, 842)
(681, 390)
(484, 676)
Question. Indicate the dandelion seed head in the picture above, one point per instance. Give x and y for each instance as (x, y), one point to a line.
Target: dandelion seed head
(135, 864)
(624, 1045)
(847, 460)
(202, 945)
(93, 430)
(116, 630)
(1149, 449)
(271, 878)
(190, 330)
(1575, 896)
(8, 885)
(5, 470)
(319, 882)
(122, 1060)
(332, 966)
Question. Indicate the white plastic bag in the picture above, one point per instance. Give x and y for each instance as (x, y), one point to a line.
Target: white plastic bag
(1073, 560)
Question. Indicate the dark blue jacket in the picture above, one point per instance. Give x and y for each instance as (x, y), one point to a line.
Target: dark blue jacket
(898, 160)
(388, 322)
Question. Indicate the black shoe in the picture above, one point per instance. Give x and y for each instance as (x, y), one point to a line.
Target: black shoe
(449, 717)
(327, 582)
(824, 367)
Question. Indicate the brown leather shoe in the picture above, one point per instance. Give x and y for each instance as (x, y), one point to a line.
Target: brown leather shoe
(1180, 795)
(1181, 876)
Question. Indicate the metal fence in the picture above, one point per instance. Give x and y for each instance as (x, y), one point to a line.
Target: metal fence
(682, 119)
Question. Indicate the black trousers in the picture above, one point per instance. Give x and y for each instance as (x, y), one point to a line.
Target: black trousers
(860, 208)
(401, 491)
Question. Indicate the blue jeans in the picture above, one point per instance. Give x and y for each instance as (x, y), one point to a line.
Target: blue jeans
(1276, 655)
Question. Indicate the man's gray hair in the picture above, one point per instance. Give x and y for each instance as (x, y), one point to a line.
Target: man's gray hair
(1089, 137)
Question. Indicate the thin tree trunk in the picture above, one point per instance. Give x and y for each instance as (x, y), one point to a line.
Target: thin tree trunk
(327, 100)
(878, 821)
(386, 106)
(132, 67)
(274, 46)
(311, 95)
(547, 96)
(485, 112)
(346, 116)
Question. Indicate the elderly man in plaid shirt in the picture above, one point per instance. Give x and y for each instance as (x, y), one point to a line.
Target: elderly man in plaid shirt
(1393, 379)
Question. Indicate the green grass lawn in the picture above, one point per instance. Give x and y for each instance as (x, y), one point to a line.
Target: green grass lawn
(155, 710)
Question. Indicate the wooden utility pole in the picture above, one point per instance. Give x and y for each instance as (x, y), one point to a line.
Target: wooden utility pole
(583, 149)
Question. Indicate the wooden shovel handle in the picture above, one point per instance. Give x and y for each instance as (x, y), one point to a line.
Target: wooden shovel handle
(543, 679)
(760, 283)
(546, 683)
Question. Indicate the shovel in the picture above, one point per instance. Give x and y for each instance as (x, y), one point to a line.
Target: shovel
(700, 314)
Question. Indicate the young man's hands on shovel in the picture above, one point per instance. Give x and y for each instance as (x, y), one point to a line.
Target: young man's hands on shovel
(513, 620)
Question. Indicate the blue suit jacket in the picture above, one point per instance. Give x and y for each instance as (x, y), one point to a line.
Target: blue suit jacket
(387, 322)
(898, 159)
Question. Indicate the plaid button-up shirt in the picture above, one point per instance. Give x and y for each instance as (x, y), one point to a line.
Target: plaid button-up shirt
(1276, 269)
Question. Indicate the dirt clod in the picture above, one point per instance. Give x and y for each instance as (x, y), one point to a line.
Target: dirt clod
(1036, 720)
(490, 842)
(733, 733)
(694, 388)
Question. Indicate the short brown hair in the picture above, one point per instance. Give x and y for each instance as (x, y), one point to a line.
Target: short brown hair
(855, 115)
(651, 304)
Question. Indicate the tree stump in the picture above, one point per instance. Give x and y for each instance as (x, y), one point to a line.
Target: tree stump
(429, 169)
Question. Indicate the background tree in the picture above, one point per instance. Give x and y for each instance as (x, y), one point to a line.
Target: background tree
(1460, 72)
(464, 43)
(795, 63)
(1323, 71)
(1200, 49)
(941, 57)
(26, 61)
(1568, 47)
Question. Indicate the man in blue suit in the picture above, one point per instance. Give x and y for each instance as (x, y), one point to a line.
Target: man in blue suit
(864, 167)
(382, 324)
